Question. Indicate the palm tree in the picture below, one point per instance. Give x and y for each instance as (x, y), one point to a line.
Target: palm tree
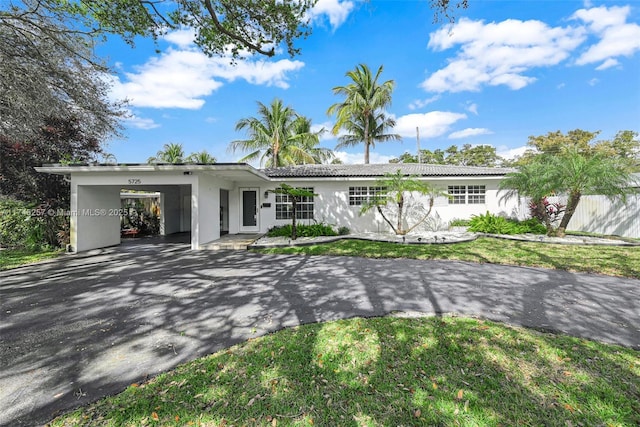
(533, 180)
(572, 173)
(170, 153)
(580, 174)
(203, 157)
(279, 137)
(362, 113)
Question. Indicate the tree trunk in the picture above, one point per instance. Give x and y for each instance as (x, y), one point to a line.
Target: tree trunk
(366, 142)
(386, 219)
(400, 214)
(572, 204)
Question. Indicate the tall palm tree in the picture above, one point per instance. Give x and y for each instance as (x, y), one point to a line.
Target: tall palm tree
(362, 113)
(279, 137)
(203, 157)
(170, 153)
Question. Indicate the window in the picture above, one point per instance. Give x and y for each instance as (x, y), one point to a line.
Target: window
(457, 194)
(475, 194)
(284, 206)
(466, 194)
(358, 196)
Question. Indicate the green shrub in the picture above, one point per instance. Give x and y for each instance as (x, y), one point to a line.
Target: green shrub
(457, 222)
(493, 224)
(343, 231)
(312, 230)
(28, 226)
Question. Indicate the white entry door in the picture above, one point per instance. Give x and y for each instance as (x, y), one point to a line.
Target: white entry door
(249, 210)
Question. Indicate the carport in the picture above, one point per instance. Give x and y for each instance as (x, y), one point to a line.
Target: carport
(205, 200)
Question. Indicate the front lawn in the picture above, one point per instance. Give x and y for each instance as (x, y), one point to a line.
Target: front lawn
(611, 260)
(15, 258)
(389, 372)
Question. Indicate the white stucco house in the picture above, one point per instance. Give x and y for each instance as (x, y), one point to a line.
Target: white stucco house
(212, 200)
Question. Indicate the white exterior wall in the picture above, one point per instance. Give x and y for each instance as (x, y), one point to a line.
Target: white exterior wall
(331, 205)
(95, 217)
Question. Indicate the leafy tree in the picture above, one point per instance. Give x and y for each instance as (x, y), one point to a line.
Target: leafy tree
(296, 195)
(625, 145)
(468, 155)
(362, 113)
(395, 189)
(59, 140)
(49, 71)
(220, 26)
(203, 157)
(280, 137)
(170, 153)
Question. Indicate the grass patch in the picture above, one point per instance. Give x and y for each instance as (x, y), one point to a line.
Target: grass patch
(611, 260)
(15, 258)
(388, 372)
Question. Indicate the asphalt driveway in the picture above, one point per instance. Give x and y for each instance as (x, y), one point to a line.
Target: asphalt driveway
(79, 328)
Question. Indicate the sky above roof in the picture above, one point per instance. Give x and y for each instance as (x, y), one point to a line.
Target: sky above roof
(505, 70)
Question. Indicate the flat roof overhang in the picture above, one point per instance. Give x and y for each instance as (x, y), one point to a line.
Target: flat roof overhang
(234, 171)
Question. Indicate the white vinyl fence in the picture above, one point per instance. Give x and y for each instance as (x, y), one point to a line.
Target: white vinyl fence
(597, 214)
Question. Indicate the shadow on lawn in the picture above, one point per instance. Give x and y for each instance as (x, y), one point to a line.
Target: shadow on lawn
(77, 329)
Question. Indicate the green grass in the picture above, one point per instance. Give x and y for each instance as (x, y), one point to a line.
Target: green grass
(611, 260)
(389, 372)
(15, 258)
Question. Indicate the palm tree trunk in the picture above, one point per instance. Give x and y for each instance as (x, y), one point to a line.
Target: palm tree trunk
(572, 204)
(386, 219)
(366, 141)
(400, 213)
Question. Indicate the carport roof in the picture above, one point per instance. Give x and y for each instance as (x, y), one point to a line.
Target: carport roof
(211, 168)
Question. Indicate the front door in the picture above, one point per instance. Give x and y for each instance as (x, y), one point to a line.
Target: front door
(249, 210)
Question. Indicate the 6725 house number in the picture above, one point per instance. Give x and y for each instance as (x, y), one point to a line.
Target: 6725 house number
(135, 181)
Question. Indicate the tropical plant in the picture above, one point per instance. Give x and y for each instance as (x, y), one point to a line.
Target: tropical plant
(362, 113)
(310, 230)
(280, 137)
(572, 171)
(494, 224)
(394, 193)
(534, 180)
(295, 195)
(170, 153)
(579, 174)
(202, 157)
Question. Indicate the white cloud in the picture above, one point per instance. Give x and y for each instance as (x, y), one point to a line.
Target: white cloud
(560, 86)
(468, 132)
(617, 37)
(593, 82)
(431, 125)
(182, 38)
(182, 77)
(498, 53)
(610, 62)
(421, 103)
(336, 11)
(472, 108)
(358, 158)
(137, 122)
(510, 153)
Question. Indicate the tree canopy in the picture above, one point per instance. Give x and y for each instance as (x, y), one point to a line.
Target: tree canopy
(280, 137)
(468, 155)
(362, 113)
(49, 70)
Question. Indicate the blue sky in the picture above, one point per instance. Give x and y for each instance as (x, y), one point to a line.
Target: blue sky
(504, 71)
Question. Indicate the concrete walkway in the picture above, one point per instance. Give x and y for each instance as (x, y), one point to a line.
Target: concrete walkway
(79, 328)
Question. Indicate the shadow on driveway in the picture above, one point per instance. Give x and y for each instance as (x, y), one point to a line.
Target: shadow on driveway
(82, 327)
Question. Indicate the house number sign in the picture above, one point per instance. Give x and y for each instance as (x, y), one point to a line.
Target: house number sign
(135, 181)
